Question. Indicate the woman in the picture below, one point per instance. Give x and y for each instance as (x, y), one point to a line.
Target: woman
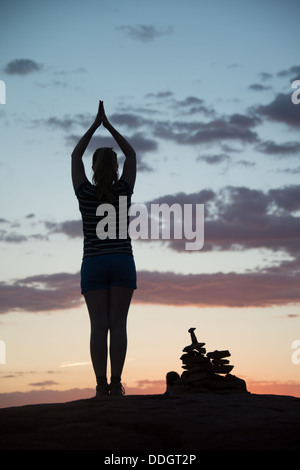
(108, 276)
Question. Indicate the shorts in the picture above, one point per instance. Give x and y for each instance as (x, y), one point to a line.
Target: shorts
(103, 271)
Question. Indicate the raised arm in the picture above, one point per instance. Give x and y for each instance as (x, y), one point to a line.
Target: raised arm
(78, 171)
(129, 167)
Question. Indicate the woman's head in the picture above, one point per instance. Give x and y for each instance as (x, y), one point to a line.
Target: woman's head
(105, 167)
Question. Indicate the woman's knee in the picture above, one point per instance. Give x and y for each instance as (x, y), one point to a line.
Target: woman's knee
(118, 326)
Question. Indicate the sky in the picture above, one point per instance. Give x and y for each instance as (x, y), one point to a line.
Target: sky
(203, 92)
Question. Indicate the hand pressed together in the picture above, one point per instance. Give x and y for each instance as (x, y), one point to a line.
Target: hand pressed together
(101, 116)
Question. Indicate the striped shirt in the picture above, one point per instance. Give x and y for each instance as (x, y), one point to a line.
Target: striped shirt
(103, 226)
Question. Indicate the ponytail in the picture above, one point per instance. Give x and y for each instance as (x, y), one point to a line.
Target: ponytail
(105, 166)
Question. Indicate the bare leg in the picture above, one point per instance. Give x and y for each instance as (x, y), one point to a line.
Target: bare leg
(98, 308)
(108, 310)
(119, 302)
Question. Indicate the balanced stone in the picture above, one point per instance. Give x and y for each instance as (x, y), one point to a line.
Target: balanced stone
(220, 361)
(218, 354)
(221, 369)
(195, 346)
(206, 372)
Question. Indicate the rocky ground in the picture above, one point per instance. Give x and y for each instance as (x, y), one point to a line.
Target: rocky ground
(161, 423)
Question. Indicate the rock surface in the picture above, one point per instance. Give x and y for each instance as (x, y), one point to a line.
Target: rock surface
(181, 423)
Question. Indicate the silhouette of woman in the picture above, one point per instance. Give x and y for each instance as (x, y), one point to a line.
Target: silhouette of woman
(108, 275)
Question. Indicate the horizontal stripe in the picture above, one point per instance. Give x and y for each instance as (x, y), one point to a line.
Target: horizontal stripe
(88, 205)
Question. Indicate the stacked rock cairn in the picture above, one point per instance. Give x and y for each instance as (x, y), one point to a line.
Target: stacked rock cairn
(206, 372)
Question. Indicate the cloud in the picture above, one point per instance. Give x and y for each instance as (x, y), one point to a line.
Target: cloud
(142, 145)
(41, 293)
(236, 218)
(236, 127)
(65, 123)
(193, 105)
(147, 387)
(214, 159)
(255, 289)
(240, 127)
(243, 218)
(144, 33)
(272, 148)
(293, 72)
(126, 119)
(278, 285)
(74, 364)
(186, 128)
(245, 163)
(281, 110)
(287, 198)
(12, 237)
(258, 87)
(160, 95)
(22, 67)
(9, 234)
(188, 106)
(129, 120)
(264, 387)
(70, 228)
(244, 223)
(292, 171)
(44, 383)
(186, 131)
(265, 76)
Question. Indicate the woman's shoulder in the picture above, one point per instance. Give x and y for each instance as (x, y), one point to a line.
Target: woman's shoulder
(85, 188)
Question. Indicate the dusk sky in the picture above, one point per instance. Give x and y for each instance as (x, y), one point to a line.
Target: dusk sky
(202, 90)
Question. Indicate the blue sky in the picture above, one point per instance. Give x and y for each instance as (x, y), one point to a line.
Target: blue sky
(202, 89)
